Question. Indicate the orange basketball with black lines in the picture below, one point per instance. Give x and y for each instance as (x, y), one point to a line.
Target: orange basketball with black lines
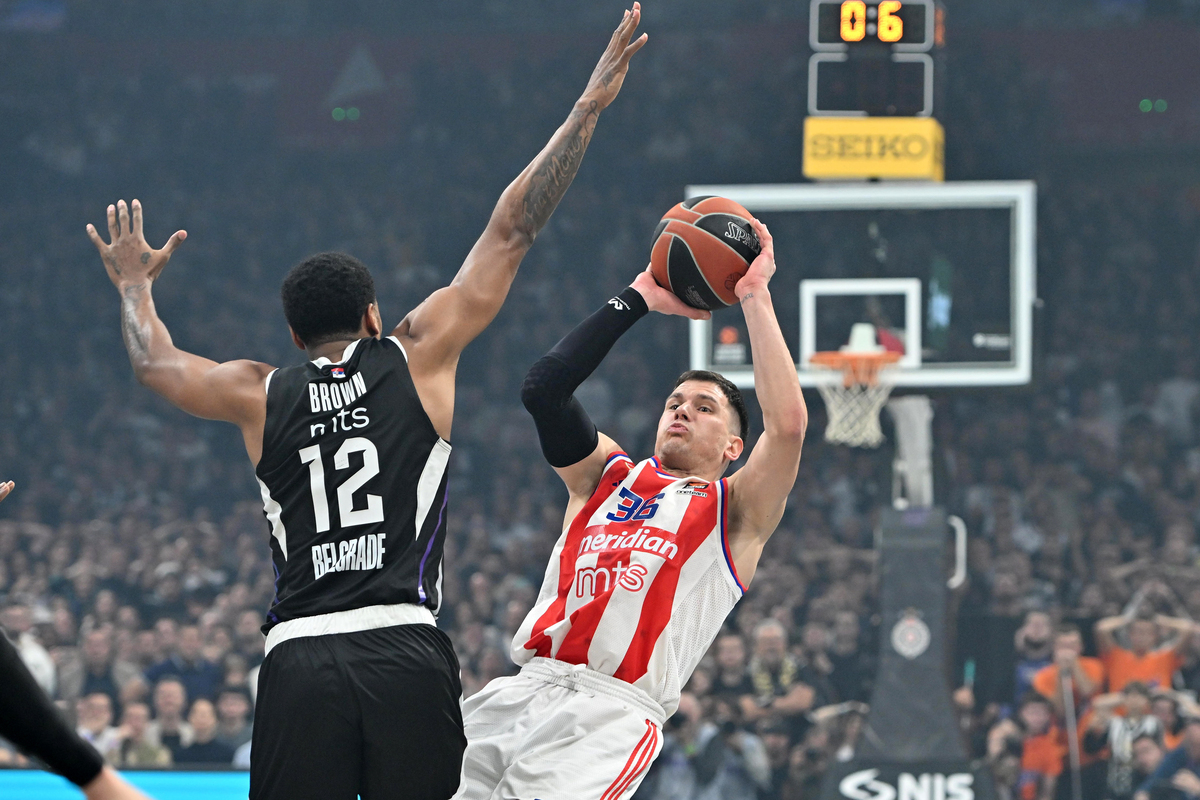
(702, 248)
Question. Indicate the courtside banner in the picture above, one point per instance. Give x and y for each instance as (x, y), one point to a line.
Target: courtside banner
(904, 148)
(918, 780)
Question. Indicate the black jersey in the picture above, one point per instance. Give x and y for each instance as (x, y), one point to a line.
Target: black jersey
(353, 480)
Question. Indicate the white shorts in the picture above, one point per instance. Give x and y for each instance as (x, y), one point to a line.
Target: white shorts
(558, 731)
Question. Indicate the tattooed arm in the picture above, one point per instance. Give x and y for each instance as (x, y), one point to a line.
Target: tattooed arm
(232, 392)
(437, 331)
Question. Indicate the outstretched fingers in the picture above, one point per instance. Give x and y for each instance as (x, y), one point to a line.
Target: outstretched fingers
(96, 239)
(113, 230)
(629, 23)
(634, 47)
(176, 239)
(5, 488)
(122, 217)
(137, 218)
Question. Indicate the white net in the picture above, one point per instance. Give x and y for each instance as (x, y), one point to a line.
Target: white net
(854, 412)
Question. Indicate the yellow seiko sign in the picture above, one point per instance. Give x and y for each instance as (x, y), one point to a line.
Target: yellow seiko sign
(906, 148)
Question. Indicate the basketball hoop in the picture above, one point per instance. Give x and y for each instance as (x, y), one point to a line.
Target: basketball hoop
(854, 403)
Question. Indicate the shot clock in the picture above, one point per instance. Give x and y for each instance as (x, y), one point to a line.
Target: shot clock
(872, 57)
(908, 25)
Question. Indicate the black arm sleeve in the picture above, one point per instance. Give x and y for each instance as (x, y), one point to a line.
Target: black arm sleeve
(566, 432)
(31, 722)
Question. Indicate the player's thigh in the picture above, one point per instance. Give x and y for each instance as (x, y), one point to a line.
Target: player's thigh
(306, 741)
(602, 751)
(495, 720)
(406, 678)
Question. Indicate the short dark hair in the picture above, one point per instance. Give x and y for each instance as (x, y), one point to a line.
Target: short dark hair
(1067, 629)
(1137, 687)
(325, 297)
(1035, 698)
(731, 392)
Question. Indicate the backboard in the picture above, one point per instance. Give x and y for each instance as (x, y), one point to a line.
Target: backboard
(945, 271)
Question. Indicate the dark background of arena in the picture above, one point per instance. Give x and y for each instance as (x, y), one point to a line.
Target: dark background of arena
(136, 531)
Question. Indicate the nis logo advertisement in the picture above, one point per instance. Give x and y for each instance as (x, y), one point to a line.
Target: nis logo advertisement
(868, 785)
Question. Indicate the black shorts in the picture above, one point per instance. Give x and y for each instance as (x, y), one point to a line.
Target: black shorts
(374, 713)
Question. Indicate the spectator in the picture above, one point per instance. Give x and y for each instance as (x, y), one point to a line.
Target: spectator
(1180, 769)
(1084, 674)
(199, 676)
(134, 747)
(17, 623)
(732, 763)
(169, 728)
(94, 713)
(1042, 750)
(775, 674)
(1146, 660)
(233, 713)
(777, 740)
(1166, 707)
(1035, 647)
(853, 672)
(1147, 756)
(1005, 750)
(731, 678)
(97, 670)
(1117, 732)
(205, 748)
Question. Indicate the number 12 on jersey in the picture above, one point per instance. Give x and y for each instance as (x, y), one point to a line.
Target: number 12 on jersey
(347, 515)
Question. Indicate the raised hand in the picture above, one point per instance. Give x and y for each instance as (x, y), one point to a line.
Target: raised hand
(609, 74)
(129, 260)
(762, 268)
(5, 488)
(663, 301)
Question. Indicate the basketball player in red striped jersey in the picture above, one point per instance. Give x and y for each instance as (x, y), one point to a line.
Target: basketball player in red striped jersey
(653, 557)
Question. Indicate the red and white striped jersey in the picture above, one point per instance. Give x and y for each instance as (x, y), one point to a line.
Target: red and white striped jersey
(640, 581)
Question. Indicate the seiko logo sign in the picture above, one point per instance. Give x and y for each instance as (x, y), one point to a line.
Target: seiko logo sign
(865, 785)
(887, 148)
(909, 148)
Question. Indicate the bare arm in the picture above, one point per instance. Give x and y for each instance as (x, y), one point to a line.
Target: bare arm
(438, 330)
(231, 392)
(758, 492)
(1105, 629)
(1184, 630)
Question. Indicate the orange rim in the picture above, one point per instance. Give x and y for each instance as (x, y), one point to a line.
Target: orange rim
(856, 368)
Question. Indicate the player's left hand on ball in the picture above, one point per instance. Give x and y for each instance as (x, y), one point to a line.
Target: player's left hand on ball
(664, 302)
(762, 268)
(5, 489)
(609, 74)
(129, 259)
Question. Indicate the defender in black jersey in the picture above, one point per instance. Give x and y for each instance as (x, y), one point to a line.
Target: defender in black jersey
(359, 692)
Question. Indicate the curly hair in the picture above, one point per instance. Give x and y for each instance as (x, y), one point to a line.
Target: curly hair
(325, 297)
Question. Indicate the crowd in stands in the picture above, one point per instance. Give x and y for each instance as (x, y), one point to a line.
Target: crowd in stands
(134, 567)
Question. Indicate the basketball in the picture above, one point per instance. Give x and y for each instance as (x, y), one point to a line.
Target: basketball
(702, 248)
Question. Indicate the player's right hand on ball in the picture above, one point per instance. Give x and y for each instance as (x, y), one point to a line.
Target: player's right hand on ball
(609, 74)
(664, 302)
(129, 260)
